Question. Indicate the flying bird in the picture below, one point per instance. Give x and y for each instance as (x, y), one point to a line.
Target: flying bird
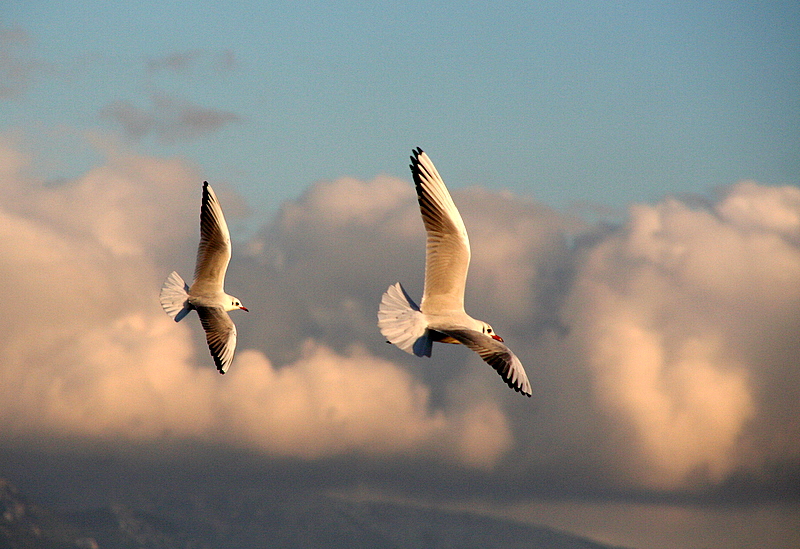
(440, 315)
(207, 294)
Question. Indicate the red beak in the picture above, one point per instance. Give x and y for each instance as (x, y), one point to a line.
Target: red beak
(497, 337)
(244, 308)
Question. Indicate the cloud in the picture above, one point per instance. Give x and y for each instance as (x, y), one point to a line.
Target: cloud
(175, 62)
(169, 119)
(83, 262)
(186, 61)
(17, 68)
(662, 351)
(642, 373)
(328, 403)
(683, 317)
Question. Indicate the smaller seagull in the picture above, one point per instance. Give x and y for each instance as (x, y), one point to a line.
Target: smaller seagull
(440, 316)
(207, 294)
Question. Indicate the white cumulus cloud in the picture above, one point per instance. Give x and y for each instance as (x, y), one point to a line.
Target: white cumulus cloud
(662, 352)
(671, 313)
(90, 354)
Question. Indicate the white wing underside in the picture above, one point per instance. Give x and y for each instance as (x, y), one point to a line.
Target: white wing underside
(214, 251)
(447, 250)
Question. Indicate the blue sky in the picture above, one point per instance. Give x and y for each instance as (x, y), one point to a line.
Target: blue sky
(599, 102)
(661, 347)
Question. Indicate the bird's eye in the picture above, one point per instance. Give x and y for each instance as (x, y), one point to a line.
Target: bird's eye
(488, 330)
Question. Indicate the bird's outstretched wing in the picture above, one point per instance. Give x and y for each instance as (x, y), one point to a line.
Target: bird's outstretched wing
(214, 251)
(447, 251)
(497, 355)
(220, 335)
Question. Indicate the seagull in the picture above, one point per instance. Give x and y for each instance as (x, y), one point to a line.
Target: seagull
(207, 295)
(440, 315)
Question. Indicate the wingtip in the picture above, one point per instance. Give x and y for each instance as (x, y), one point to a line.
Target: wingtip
(415, 156)
(523, 388)
(517, 386)
(520, 383)
(418, 167)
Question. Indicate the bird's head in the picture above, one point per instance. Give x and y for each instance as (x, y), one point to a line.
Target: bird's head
(488, 330)
(234, 304)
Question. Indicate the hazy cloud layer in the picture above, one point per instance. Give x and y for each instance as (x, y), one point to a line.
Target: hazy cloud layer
(662, 351)
(169, 119)
(186, 61)
(17, 68)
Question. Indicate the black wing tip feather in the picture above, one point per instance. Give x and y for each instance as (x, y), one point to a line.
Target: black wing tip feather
(500, 360)
(502, 366)
(208, 193)
(415, 164)
(206, 198)
(517, 386)
(503, 369)
(510, 382)
(217, 360)
(518, 389)
(417, 173)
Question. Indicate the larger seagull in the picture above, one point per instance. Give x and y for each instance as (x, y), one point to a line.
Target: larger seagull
(207, 294)
(440, 315)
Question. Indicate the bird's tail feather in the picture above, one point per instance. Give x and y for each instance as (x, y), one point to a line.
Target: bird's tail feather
(174, 297)
(402, 323)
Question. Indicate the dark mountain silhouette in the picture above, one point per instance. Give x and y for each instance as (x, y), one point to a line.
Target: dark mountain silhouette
(301, 520)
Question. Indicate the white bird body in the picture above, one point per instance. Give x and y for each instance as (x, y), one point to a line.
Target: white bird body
(440, 317)
(206, 294)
